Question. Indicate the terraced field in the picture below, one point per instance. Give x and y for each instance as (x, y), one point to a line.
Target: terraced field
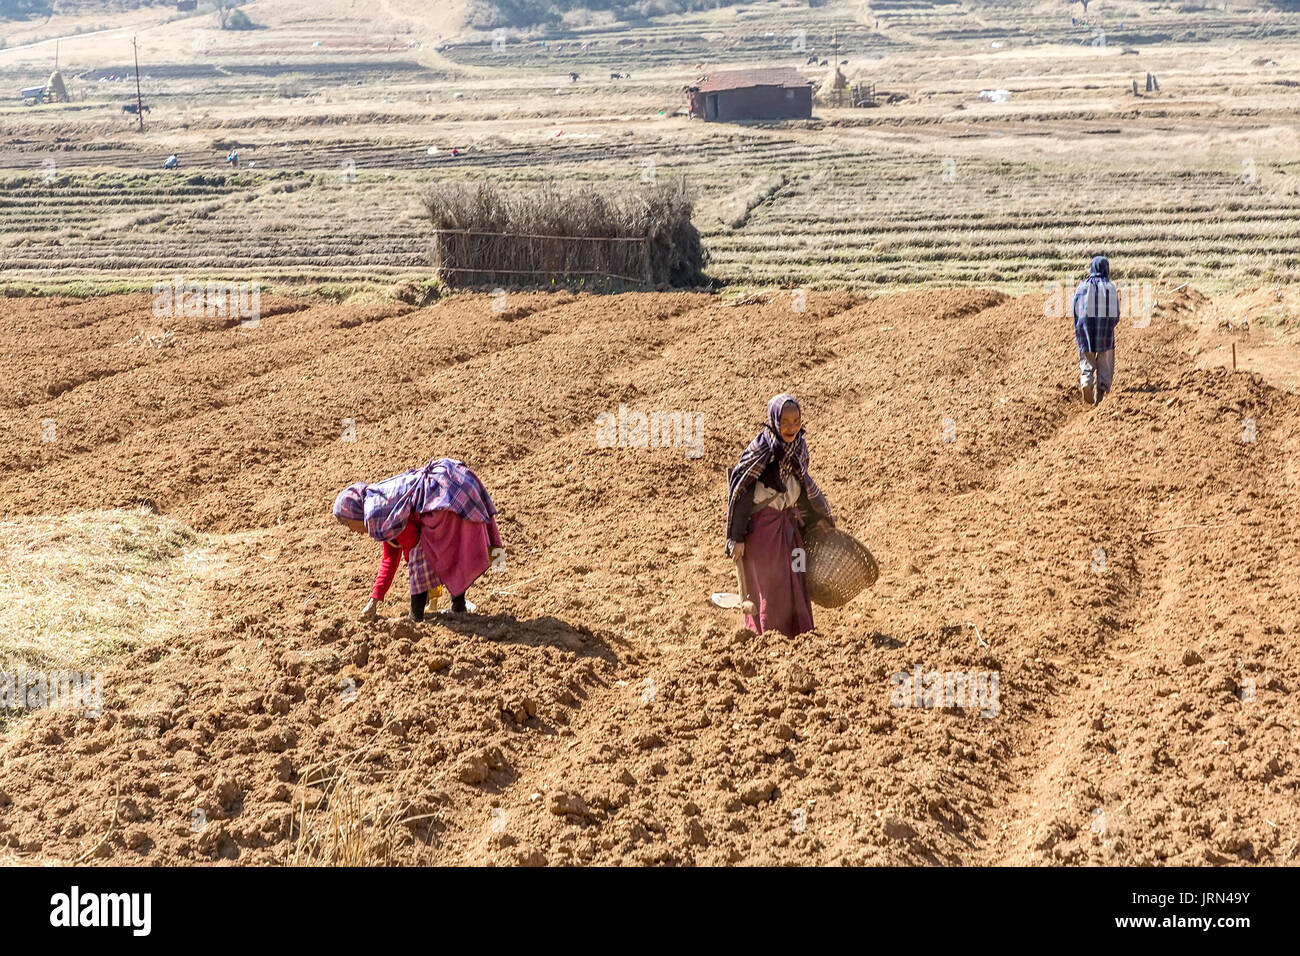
(778, 31)
(882, 219)
(1128, 572)
(1198, 181)
(839, 212)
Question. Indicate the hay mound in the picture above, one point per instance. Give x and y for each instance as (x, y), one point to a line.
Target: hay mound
(484, 234)
(833, 85)
(55, 88)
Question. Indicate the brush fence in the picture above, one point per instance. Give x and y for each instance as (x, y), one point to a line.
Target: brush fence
(466, 257)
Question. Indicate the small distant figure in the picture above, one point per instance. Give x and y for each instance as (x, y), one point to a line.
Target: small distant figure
(573, 77)
(171, 162)
(455, 151)
(1096, 313)
(232, 159)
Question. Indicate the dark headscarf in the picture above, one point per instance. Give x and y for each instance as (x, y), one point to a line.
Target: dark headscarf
(768, 444)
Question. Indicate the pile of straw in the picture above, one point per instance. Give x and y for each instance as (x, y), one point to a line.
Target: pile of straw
(485, 234)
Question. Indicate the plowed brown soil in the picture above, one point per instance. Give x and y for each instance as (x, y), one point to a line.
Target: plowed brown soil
(597, 709)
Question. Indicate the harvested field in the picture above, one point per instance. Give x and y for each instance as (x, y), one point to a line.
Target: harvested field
(932, 187)
(1131, 569)
(851, 213)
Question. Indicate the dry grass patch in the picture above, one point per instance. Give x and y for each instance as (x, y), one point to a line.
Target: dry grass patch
(76, 590)
(339, 824)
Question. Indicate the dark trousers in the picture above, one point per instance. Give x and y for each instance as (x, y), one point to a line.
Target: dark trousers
(420, 601)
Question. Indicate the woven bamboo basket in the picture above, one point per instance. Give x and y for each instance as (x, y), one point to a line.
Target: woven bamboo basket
(839, 566)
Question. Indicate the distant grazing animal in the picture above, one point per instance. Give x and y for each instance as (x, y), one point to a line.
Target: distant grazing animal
(573, 77)
(825, 63)
(620, 76)
(812, 59)
(132, 108)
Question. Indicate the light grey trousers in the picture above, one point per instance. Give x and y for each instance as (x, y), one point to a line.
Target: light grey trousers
(1097, 367)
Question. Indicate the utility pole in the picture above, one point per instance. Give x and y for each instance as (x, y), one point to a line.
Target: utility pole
(139, 103)
(837, 95)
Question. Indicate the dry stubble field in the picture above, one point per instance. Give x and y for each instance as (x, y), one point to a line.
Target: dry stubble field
(932, 187)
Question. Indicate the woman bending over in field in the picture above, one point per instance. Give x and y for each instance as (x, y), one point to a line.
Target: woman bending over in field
(772, 501)
(439, 517)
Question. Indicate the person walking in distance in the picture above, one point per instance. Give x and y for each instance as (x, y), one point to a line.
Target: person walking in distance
(1096, 313)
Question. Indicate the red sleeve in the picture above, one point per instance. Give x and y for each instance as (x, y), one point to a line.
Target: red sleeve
(407, 538)
(388, 563)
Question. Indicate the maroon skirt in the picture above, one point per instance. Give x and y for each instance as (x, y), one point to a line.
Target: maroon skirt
(777, 590)
(458, 550)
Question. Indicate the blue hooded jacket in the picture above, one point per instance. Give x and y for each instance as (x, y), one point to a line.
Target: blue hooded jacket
(1096, 309)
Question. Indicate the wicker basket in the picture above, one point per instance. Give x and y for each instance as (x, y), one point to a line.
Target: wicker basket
(839, 566)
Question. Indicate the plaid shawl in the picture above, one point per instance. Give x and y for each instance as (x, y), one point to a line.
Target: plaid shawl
(766, 445)
(1096, 309)
(351, 504)
(442, 484)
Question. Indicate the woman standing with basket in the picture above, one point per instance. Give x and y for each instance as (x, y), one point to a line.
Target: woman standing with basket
(772, 503)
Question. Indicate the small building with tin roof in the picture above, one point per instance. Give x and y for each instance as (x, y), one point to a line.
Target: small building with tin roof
(773, 93)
